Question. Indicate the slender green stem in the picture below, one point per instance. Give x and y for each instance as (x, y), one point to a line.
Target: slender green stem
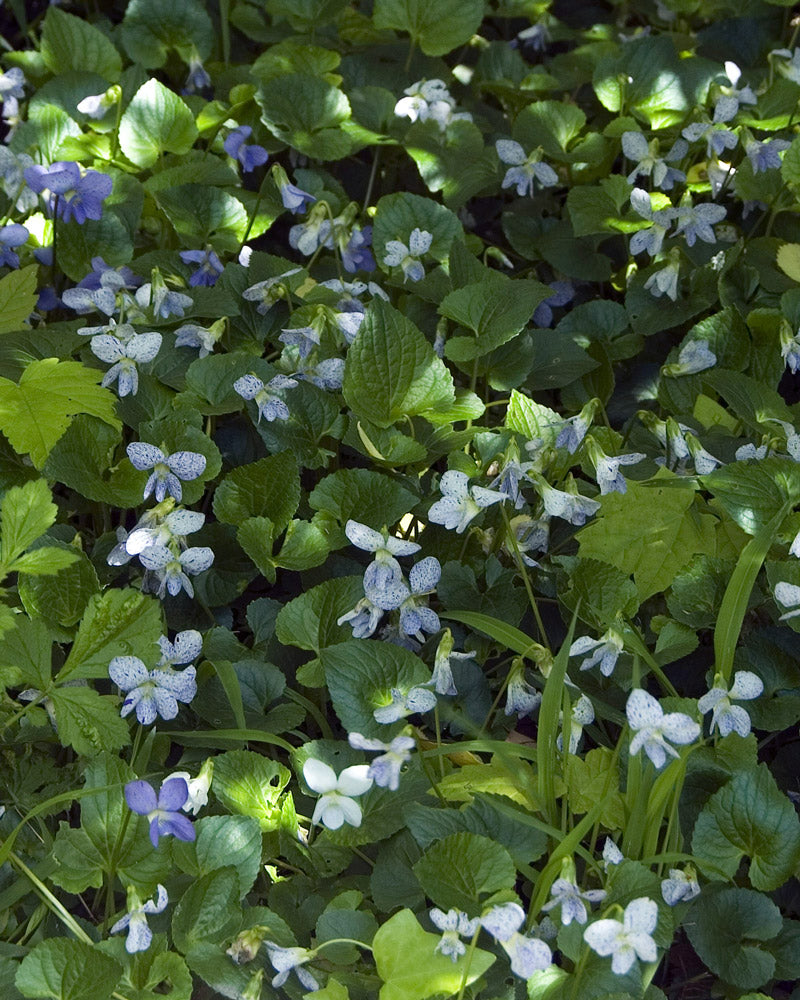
(465, 975)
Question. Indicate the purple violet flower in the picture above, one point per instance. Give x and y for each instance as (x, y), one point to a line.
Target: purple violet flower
(250, 157)
(162, 812)
(11, 237)
(209, 266)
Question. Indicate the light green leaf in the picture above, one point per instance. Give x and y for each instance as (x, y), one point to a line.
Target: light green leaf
(304, 547)
(651, 532)
(460, 869)
(60, 969)
(156, 121)
(250, 784)
(58, 596)
(120, 622)
(754, 492)
(45, 561)
(306, 112)
(36, 412)
(26, 512)
(496, 311)
(411, 968)
(726, 929)
(589, 779)
(268, 488)
(361, 674)
(392, 370)
(549, 124)
(18, 295)
(604, 592)
(531, 419)
(72, 43)
(749, 816)
(88, 721)
(26, 653)
(788, 257)
(437, 28)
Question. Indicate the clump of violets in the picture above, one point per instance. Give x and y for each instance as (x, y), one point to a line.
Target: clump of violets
(72, 193)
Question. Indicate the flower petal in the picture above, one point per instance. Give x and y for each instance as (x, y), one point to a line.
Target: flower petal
(354, 780)
(319, 777)
(173, 794)
(128, 672)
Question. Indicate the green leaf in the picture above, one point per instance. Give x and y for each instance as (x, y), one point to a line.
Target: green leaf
(151, 28)
(203, 214)
(156, 121)
(60, 969)
(72, 43)
(589, 779)
(437, 29)
(223, 841)
(460, 869)
(532, 419)
(411, 968)
(753, 493)
(309, 621)
(256, 536)
(107, 237)
(749, 816)
(251, 785)
(549, 124)
(496, 311)
(604, 592)
(361, 674)
(18, 295)
(120, 622)
(363, 494)
(268, 488)
(208, 910)
(26, 653)
(26, 512)
(651, 532)
(306, 15)
(726, 928)
(307, 113)
(392, 370)
(789, 254)
(398, 214)
(36, 412)
(46, 560)
(60, 597)
(457, 163)
(304, 546)
(88, 721)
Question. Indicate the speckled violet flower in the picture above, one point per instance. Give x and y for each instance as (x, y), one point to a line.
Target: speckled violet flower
(725, 717)
(385, 770)
(385, 568)
(285, 960)
(628, 939)
(163, 810)
(416, 700)
(151, 692)
(454, 925)
(695, 356)
(572, 901)
(397, 254)
(527, 954)
(337, 803)
(653, 728)
(461, 502)
(680, 887)
(270, 405)
(788, 594)
(171, 569)
(524, 168)
(124, 357)
(139, 934)
(604, 651)
(168, 470)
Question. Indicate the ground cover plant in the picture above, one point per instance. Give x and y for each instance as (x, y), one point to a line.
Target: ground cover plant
(400, 515)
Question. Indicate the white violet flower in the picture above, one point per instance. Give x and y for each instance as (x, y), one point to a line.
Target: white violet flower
(628, 939)
(653, 728)
(337, 803)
